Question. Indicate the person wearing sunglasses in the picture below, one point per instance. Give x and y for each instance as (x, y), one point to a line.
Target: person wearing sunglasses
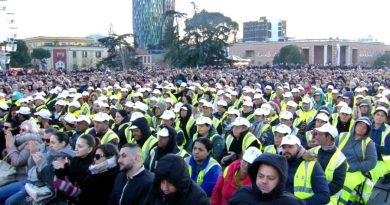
(9, 125)
(17, 149)
(97, 186)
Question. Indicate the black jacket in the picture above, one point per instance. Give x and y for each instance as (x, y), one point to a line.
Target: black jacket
(174, 169)
(253, 195)
(96, 188)
(128, 190)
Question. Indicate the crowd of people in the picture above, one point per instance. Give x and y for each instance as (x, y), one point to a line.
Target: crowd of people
(195, 136)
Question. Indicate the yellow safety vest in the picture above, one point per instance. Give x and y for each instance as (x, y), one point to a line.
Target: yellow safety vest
(270, 149)
(344, 137)
(182, 153)
(336, 121)
(109, 136)
(386, 158)
(203, 172)
(302, 180)
(85, 110)
(147, 147)
(246, 142)
(335, 161)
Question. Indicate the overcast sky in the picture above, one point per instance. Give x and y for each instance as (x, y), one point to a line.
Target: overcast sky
(349, 19)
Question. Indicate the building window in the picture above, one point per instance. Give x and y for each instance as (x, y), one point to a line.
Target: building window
(84, 54)
(249, 53)
(98, 54)
(60, 55)
(74, 54)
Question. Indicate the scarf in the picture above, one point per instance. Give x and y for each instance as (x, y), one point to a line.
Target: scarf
(104, 166)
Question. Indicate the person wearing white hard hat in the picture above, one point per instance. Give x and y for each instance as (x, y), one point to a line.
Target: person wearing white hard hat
(305, 114)
(68, 124)
(51, 99)
(207, 111)
(381, 137)
(44, 118)
(82, 123)
(331, 159)
(274, 145)
(240, 139)
(23, 114)
(344, 122)
(310, 180)
(166, 144)
(286, 118)
(101, 129)
(74, 108)
(309, 141)
(361, 154)
(39, 102)
(247, 110)
(222, 106)
(168, 120)
(85, 109)
(227, 123)
(59, 111)
(206, 129)
(234, 177)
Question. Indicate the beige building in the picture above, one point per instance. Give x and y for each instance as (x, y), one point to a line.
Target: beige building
(69, 52)
(316, 51)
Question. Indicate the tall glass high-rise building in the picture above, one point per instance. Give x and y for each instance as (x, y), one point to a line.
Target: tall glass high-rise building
(149, 22)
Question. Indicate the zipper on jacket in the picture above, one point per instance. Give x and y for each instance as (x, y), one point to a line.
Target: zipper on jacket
(123, 191)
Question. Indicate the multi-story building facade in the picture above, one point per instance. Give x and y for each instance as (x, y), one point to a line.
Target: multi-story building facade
(316, 51)
(150, 22)
(265, 30)
(69, 52)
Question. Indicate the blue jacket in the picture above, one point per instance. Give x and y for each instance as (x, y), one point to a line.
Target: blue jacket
(376, 135)
(210, 178)
(318, 182)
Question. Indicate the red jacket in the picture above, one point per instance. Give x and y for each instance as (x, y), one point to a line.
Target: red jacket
(225, 187)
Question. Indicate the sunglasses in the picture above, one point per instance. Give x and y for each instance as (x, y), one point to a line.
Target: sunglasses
(46, 140)
(98, 156)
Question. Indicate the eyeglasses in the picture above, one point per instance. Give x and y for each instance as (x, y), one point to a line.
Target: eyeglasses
(46, 140)
(98, 156)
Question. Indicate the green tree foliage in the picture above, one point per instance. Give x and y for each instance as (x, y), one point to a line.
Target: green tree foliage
(289, 54)
(41, 55)
(121, 53)
(207, 35)
(172, 39)
(21, 57)
(383, 60)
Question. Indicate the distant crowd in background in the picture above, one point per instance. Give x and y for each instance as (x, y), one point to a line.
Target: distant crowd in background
(211, 135)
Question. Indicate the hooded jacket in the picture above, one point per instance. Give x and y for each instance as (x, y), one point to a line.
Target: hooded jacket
(157, 153)
(183, 124)
(156, 120)
(226, 185)
(253, 195)
(354, 154)
(174, 169)
(143, 125)
(320, 103)
(369, 113)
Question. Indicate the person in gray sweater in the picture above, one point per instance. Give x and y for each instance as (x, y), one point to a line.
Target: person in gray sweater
(361, 156)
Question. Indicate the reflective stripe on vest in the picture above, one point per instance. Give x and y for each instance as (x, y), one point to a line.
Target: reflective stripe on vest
(108, 137)
(148, 145)
(270, 149)
(203, 172)
(335, 161)
(302, 180)
(386, 158)
(246, 142)
(344, 137)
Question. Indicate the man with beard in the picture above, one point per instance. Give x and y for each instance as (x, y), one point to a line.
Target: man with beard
(306, 179)
(134, 180)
